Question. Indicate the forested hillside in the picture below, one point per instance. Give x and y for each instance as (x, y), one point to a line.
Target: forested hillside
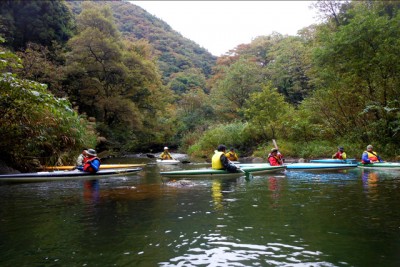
(175, 53)
(109, 75)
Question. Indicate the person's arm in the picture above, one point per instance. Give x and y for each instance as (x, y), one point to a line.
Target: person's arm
(365, 158)
(380, 159)
(225, 161)
(334, 156)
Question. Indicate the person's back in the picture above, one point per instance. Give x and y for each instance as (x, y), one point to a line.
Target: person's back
(220, 162)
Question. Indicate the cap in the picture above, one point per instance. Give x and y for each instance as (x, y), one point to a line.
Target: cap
(165, 148)
(274, 150)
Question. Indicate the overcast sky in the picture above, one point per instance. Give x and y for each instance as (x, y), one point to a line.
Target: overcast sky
(220, 26)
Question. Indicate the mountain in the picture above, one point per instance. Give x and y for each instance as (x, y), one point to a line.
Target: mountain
(175, 52)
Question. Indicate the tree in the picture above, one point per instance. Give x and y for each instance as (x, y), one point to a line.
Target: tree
(231, 92)
(35, 125)
(265, 110)
(42, 22)
(358, 72)
(114, 80)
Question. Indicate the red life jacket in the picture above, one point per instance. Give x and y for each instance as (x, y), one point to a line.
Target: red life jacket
(88, 166)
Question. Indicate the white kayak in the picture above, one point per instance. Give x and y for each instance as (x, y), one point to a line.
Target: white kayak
(64, 175)
(168, 161)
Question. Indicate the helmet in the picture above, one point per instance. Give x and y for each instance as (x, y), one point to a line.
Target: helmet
(274, 150)
(165, 148)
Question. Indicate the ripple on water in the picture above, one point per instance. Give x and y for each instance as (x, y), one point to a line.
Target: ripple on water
(217, 251)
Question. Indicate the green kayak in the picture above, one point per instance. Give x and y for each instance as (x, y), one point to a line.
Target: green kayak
(253, 169)
(381, 166)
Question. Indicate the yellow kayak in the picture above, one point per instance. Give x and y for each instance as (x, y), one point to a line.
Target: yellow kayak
(102, 166)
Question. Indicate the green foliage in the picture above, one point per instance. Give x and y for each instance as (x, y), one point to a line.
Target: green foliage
(358, 75)
(230, 94)
(265, 110)
(115, 81)
(232, 135)
(175, 52)
(36, 125)
(42, 22)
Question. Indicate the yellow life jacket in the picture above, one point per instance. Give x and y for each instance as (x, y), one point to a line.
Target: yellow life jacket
(231, 156)
(216, 163)
(372, 156)
(165, 155)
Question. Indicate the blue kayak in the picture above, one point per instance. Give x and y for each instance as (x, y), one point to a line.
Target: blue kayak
(312, 166)
(337, 161)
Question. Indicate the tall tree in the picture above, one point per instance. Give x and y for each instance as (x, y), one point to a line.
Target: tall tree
(111, 79)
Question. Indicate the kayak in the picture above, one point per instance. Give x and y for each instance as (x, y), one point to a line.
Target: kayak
(102, 166)
(253, 169)
(168, 161)
(63, 175)
(319, 166)
(333, 161)
(381, 166)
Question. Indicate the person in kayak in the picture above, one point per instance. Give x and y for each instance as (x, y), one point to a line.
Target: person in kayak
(220, 162)
(81, 158)
(165, 155)
(91, 163)
(370, 156)
(231, 155)
(340, 154)
(275, 158)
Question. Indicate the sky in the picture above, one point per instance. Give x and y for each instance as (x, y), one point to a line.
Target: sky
(220, 26)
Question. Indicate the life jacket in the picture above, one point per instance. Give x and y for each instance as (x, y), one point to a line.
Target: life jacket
(92, 165)
(340, 155)
(216, 163)
(231, 156)
(165, 155)
(372, 156)
(274, 160)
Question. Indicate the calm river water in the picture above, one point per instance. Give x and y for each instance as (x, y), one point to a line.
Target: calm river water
(287, 219)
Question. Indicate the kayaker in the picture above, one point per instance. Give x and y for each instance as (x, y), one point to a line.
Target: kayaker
(81, 157)
(274, 158)
(340, 154)
(220, 162)
(370, 156)
(91, 162)
(231, 155)
(165, 155)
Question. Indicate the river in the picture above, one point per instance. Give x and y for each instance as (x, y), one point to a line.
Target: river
(347, 218)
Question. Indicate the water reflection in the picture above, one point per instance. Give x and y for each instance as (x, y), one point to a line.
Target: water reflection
(216, 194)
(91, 191)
